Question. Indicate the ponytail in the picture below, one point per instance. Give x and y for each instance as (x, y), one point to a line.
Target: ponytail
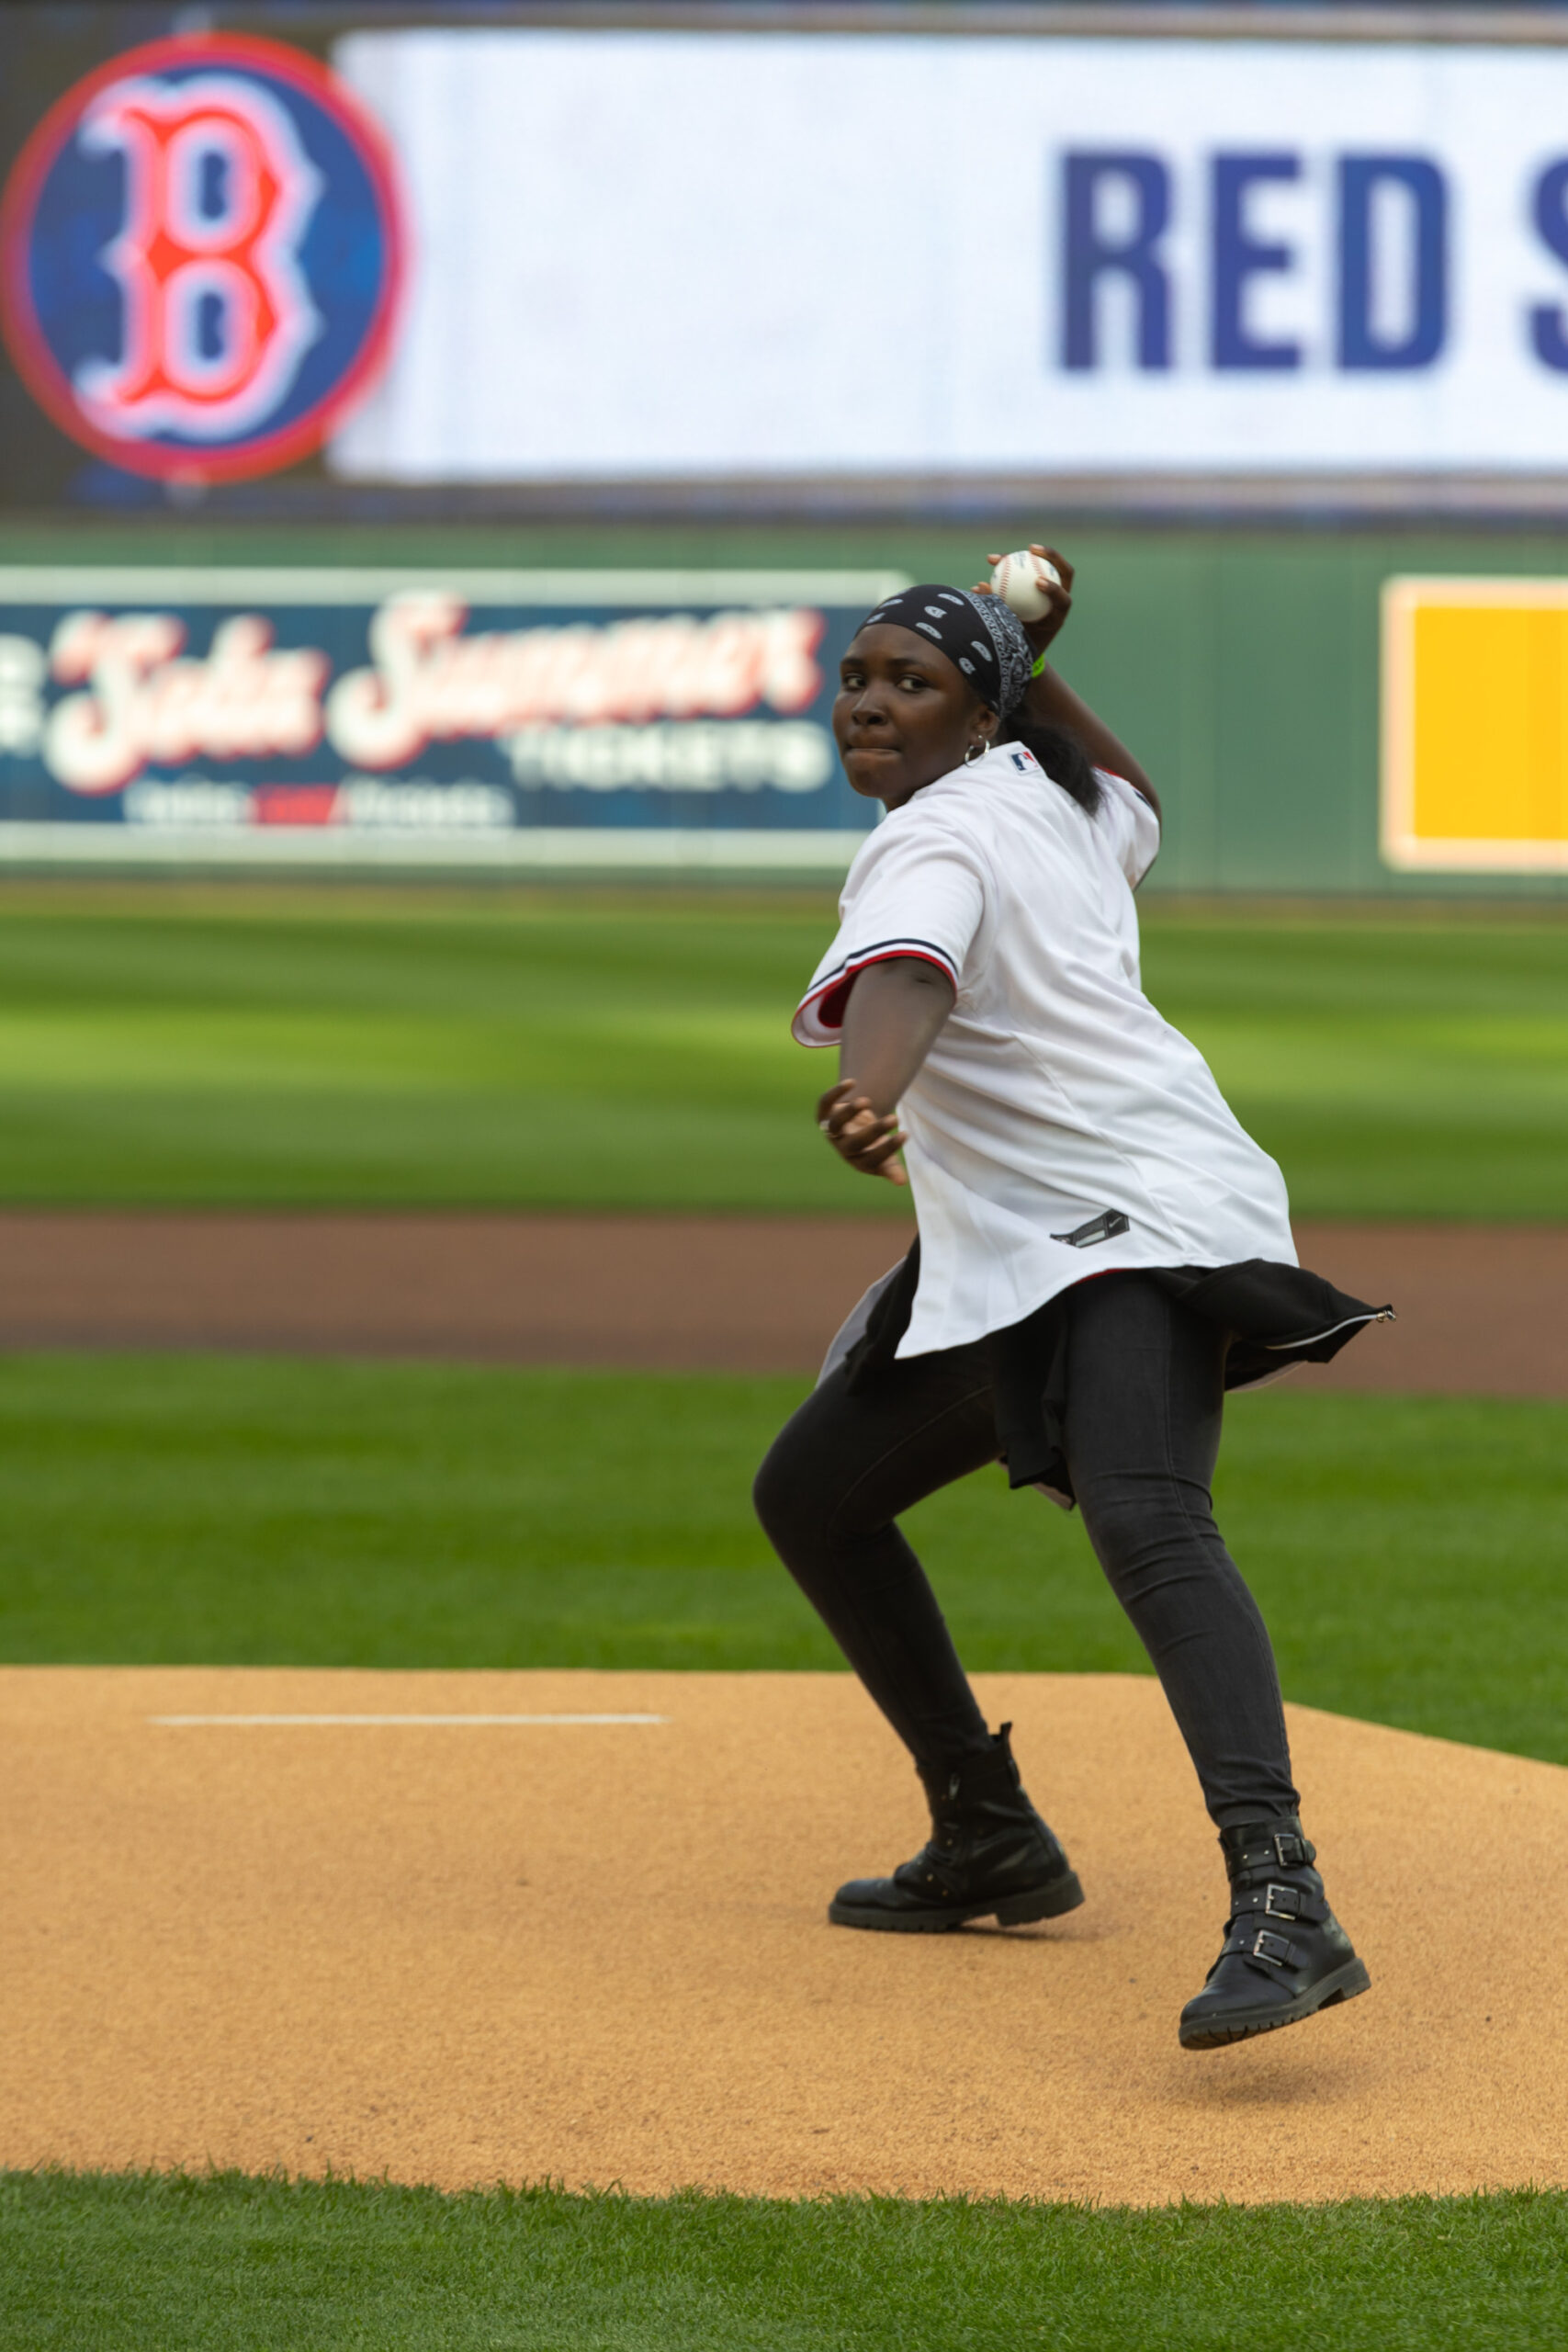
(1062, 756)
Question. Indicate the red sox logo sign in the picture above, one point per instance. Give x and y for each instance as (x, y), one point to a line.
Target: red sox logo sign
(201, 253)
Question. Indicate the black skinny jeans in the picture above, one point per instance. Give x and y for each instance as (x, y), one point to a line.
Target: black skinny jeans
(1145, 1400)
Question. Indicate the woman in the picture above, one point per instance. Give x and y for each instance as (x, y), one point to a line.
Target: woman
(1102, 1250)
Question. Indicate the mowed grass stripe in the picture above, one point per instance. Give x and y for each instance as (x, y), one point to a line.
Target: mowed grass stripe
(98, 2263)
(234, 1511)
(204, 1044)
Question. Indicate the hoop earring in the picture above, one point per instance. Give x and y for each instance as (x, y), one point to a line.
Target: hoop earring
(976, 751)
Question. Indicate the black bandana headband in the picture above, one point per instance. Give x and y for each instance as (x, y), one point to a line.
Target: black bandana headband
(981, 637)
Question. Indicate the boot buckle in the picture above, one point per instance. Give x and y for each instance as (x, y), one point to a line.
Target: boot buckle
(1296, 1855)
(1289, 1905)
(1274, 1950)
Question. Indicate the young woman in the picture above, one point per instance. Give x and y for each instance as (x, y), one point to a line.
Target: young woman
(1102, 1250)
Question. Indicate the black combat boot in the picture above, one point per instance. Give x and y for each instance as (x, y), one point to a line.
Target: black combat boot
(990, 1854)
(1285, 1955)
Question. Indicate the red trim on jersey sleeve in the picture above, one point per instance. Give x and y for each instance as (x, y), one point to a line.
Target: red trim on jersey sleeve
(822, 1010)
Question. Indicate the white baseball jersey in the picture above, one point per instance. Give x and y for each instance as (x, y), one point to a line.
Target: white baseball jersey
(1060, 1127)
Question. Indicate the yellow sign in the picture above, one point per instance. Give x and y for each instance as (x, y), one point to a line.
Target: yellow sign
(1475, 726)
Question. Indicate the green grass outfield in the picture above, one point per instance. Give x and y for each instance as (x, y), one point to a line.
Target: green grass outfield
(159, 1510)
(231, 2265)
(185, 1043)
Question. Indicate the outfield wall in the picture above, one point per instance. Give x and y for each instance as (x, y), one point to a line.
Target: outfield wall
(1242, 665)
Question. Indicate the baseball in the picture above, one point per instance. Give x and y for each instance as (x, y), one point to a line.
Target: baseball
(1022, 580)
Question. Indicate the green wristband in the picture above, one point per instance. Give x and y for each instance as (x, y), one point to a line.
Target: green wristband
(1039, 669)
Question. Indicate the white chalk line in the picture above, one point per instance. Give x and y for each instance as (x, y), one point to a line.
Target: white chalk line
(187, 1723)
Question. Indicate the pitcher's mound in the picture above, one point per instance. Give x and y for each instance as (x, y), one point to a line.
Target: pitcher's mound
(464, 1952)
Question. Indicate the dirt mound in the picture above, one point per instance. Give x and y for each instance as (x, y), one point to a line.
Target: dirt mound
(459, 1951)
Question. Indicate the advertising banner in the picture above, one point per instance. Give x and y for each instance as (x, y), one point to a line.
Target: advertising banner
(521, 719)
(689, 254)
(1475, 726)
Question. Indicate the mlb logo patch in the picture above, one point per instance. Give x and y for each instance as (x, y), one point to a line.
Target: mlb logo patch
(200, 252)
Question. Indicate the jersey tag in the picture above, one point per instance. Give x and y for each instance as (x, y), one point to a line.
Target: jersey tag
(1103, 1228)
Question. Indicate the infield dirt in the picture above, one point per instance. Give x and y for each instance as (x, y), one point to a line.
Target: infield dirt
(1483, 1309)
(463, 1952)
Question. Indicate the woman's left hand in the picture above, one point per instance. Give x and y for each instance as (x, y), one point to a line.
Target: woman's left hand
(864, 1142)
(1051, 624)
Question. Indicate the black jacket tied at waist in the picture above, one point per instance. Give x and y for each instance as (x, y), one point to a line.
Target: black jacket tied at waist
(1276, 1317)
